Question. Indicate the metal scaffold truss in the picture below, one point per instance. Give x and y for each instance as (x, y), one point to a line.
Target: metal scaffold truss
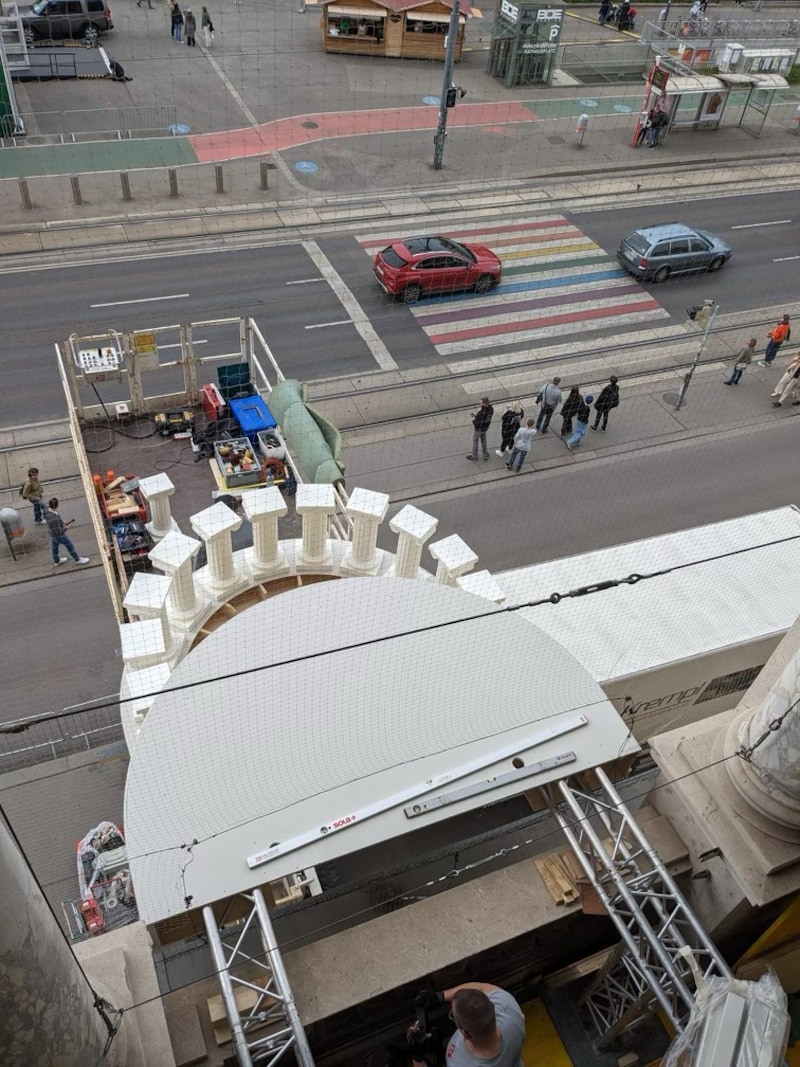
(263, 1019)
(663, 948)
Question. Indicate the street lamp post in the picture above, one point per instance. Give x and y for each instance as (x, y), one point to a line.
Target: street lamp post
(447, 82)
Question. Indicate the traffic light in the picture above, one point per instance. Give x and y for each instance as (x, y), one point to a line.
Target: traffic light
(451, 96)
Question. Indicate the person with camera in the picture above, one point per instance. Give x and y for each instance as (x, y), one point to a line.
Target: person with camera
(490, 1027)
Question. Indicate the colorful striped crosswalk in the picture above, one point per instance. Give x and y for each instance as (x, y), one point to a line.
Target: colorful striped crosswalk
(556, 283)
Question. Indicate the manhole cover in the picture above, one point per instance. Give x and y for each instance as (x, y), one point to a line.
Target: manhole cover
(556, 140)
(671, 399)
(311, 125)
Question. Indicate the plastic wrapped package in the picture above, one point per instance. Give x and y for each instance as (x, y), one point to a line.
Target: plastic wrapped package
(734, 1024)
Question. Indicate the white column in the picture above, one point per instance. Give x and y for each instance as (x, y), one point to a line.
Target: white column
(174, 555)
(316, 503)
(157, 490)
(367, 510)
(454, 558)
(146, 598)
(770, 781)
(482, 584)
(413, 528)
(215, 525)
(264, 507)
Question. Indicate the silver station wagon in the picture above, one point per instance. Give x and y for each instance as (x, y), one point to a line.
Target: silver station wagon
(657, 252)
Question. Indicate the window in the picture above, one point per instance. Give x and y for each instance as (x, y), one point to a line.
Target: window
(74, 7)
(680, 248)
(661, 250)
(697, 244)
(388, 255)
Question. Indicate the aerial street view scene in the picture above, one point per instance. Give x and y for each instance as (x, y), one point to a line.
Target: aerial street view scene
(400, 533)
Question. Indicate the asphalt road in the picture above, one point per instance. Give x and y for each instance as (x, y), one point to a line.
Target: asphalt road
(307, 326)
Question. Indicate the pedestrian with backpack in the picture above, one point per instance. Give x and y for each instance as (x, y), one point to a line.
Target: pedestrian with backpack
(606, 401)
(32, 491)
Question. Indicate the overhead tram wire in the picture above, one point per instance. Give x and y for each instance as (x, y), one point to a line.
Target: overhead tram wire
(20, 725)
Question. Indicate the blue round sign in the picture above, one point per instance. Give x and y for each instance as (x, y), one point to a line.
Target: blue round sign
(434, 101)
(305, 166)
(179, 129)
(623, 109)
(588, 103)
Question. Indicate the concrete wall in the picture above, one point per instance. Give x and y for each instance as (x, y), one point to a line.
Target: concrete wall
(47, 1014)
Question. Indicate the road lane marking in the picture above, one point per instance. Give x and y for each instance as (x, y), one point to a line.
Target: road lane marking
(223, 77)
(322, 325)
(359, 318)
(142, 300)
(306, 281)
(755, 225)
(785, 259)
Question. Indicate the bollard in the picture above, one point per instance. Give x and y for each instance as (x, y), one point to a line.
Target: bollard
(25, 194)
(218, 177)
(125, 182)
(76, 191)
(173, 182)
(264, 168)
(582, 127)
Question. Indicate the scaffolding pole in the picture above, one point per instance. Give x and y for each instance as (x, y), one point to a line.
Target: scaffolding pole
(263, 1033)
(663, 945)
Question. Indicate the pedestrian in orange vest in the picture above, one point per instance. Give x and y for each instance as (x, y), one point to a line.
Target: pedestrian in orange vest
(776, 337)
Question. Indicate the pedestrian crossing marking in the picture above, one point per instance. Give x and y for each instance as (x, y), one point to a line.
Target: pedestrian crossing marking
(557, 283)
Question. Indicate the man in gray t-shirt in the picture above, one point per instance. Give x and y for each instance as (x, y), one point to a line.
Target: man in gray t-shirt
(490, 1025)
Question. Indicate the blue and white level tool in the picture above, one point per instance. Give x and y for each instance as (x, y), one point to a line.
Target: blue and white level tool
(422, 807)
(563, 726)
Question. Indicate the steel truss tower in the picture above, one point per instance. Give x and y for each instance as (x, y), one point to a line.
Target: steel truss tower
(271, 1027)
(663, 948)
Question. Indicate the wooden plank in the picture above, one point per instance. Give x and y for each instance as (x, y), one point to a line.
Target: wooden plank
(545, 874)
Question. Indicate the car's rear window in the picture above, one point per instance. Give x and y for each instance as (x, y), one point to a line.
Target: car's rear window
(418, 245)
(637, 243)
(391, 258)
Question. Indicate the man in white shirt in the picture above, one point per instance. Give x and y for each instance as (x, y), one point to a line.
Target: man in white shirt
(522, 445)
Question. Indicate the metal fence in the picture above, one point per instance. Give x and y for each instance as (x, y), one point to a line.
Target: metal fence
(679, 26)
(40, 742)
(116, 122)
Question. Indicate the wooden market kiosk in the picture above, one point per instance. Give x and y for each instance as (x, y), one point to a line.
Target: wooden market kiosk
(408, 29)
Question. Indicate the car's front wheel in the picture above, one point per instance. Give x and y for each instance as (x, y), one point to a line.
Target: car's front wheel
(484, 283)
(716, 264)
(662, 274)
(411, 294)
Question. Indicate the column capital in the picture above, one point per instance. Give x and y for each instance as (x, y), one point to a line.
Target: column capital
(413, 523)
(482, 584)
(156, 485)
(454, 557)
(173, 551)
(214, 521)
(257, 503)
(315, 498)
(142, 643)
(147, 595)
(367, 504)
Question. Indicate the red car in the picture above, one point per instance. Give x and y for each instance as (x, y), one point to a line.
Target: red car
(419, 265)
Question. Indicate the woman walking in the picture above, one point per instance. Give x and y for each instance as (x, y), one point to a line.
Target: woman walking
(569, 410)
(190, 25)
